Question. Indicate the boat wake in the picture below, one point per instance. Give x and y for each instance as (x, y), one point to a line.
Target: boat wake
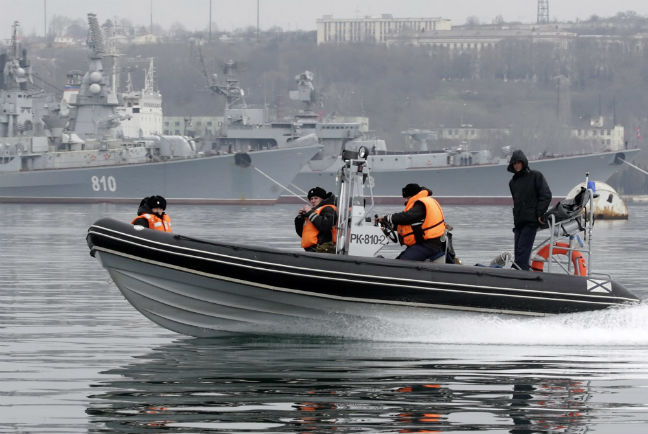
(613, 327)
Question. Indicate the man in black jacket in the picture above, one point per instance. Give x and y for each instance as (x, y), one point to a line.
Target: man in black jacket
(531, 198)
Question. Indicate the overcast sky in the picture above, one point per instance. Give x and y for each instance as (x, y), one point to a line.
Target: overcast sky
(296, 14)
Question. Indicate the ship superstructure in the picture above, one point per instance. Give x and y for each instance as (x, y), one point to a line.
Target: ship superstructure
(141, 110)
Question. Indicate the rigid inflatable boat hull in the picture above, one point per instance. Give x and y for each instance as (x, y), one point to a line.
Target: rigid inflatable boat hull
(202, 288)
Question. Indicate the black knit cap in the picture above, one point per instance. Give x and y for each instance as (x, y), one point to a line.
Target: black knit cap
(411, 189)
(156, 202)
(317, 191)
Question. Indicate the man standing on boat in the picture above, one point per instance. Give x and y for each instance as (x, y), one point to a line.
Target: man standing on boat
(421, 226)
(531, 198)
(316, 224)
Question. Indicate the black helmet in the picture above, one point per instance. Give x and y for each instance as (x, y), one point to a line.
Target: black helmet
(156, 202)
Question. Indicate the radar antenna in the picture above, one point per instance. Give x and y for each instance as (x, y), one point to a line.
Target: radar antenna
(95, 38)
(231, 88)
(16, 71)
(305, 90)
(543, 11)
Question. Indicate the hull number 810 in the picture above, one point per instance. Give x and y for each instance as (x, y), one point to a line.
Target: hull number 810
(104, 183)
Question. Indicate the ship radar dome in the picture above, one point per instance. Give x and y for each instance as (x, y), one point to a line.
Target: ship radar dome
(95, 77)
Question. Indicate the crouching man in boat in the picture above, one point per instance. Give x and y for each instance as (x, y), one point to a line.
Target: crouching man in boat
(531, 198)
(421, 226)
(316, 224)
(151, 214)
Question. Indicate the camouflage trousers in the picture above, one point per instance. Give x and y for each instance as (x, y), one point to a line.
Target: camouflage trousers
(327, 247)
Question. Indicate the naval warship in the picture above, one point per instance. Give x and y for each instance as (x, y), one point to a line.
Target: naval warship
(252, 127)
(55, 151)
(455, 175)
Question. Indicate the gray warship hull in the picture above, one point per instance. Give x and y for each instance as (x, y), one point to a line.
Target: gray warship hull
(476, 184)
(220, 179)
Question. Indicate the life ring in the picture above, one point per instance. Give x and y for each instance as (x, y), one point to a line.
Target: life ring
(580, 267)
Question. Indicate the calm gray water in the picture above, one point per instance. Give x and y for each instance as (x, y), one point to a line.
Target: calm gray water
(76, 357)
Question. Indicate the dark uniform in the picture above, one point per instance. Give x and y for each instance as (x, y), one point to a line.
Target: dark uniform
(161, 222)
(531, 198)
(421, 225)
(317, 226)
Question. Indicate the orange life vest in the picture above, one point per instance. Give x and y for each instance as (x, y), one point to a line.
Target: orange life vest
(310, 231)
(155, 222)
(432, 227)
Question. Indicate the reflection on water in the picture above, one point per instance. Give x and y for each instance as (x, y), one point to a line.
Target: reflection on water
(324, 385)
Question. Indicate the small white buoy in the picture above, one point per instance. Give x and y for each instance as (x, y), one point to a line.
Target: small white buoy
(608, 205)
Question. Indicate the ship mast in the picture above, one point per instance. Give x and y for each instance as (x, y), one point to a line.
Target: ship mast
(95, 38)
(15, 101)
(305, 92)
(231, 89)
(95, 116)
(150, 84)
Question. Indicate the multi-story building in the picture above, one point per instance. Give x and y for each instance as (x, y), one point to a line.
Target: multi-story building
(477, 38)
(439, 33)
(370, 29)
